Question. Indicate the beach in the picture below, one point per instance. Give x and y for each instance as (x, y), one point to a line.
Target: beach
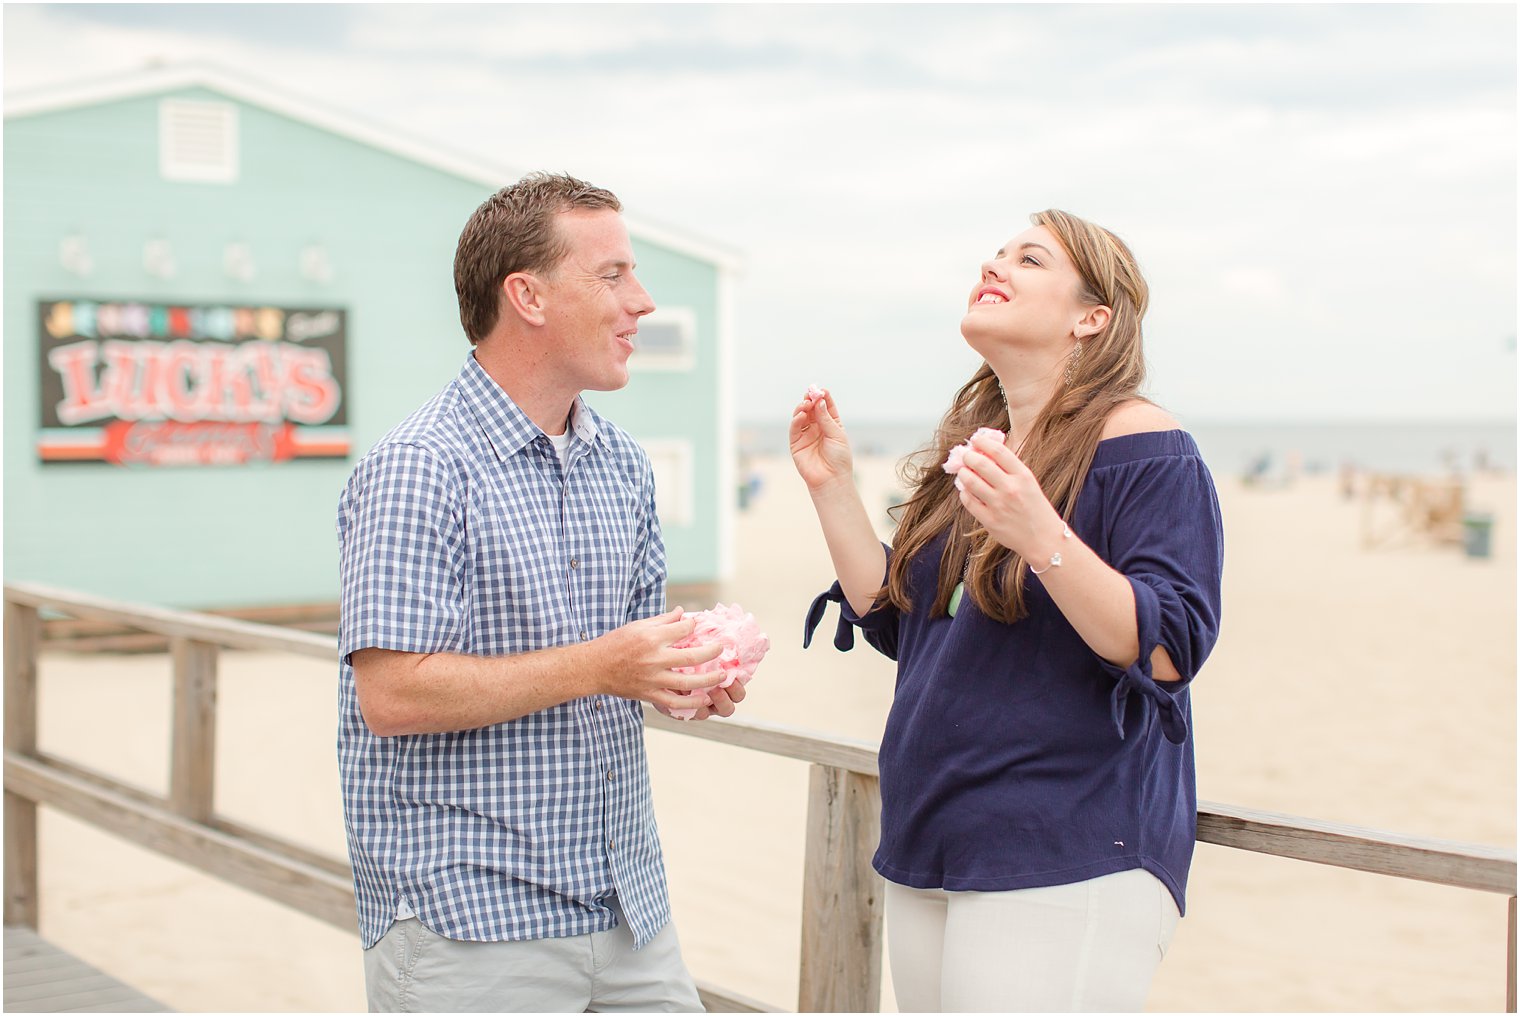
(1368, 686)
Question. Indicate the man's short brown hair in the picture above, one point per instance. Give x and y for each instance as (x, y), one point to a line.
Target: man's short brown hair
(513, 231)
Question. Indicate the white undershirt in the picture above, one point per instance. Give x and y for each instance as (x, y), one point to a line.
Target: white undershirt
(562, 446)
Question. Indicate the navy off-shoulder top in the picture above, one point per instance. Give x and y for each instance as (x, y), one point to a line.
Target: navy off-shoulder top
(1014, 756)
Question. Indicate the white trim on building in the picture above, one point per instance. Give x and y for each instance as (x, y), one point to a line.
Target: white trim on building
(156, 79)
(728, 427)
(672, 459)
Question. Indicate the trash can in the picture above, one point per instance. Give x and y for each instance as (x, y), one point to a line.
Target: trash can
(1477, 528)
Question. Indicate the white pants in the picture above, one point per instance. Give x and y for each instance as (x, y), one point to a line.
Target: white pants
(1085, 947)
(411, 969)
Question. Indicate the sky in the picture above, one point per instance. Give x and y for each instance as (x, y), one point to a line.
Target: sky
(1322, 197)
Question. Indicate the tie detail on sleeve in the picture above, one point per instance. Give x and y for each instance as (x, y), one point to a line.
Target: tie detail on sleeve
(1135, 680)
(844, 634)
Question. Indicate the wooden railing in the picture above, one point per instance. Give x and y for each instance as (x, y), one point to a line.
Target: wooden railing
(842, 905)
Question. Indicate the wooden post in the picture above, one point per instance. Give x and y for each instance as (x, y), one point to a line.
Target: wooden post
(841, 894)
(1509, 992)
(192, 765)
(23, 634)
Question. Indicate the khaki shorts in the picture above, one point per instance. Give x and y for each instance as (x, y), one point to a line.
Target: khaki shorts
(412, 969)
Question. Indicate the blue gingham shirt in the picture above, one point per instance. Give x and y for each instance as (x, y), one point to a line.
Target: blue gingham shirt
(460, 532)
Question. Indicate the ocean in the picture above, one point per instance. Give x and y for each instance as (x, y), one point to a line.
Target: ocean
(1239, 447)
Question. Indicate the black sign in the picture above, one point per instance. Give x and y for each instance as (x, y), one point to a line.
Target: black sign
(191, 384)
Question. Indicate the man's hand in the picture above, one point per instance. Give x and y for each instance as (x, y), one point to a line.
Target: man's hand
(721, 701)
(636, 662)
(724, 700)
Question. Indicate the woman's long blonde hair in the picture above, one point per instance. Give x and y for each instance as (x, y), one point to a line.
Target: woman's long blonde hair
(1060, 445)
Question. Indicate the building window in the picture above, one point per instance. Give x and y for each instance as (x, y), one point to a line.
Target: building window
(667, 340)
(673, 481)
(197, 141)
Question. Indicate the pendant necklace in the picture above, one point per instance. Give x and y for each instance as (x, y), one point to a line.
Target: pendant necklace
(960, 587)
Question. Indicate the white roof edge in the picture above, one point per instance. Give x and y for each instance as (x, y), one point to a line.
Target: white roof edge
(132, 84)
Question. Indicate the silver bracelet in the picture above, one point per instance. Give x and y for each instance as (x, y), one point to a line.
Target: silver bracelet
(1055, 559)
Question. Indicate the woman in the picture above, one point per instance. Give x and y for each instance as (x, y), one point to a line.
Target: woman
(1047, 606)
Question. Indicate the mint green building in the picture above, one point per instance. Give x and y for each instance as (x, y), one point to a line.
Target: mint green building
(218, 296)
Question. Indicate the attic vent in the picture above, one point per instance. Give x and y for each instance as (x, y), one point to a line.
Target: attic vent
(197, 141)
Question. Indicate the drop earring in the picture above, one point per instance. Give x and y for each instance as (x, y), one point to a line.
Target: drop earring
(1071, 364)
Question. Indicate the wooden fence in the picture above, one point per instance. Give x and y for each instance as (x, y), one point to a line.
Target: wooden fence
(842, 905)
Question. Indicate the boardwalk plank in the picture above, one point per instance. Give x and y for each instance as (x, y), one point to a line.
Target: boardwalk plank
(119, 998)
(82, 980)
(18, 976)
(26, 961)
(149, 1006)
(40, 977)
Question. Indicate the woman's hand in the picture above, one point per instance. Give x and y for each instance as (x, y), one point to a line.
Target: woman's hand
(1003, 495)
(820, 450)
(821, 453)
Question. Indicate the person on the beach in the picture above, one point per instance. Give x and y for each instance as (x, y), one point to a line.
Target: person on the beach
(1047, 604)
(503, 619)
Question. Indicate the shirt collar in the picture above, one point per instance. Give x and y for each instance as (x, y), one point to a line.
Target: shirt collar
(583, 421)
(506, 426)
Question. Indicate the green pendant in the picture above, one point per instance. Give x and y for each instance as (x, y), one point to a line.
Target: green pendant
(955, 598)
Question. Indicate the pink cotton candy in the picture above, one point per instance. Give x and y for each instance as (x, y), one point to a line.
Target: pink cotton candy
(954, 461)
(814, 393)
(744, 646)
(988, 432)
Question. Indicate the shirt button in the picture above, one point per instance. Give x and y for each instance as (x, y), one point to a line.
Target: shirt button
(599, 705)
(583, 636)
(610, 844)
(611, 776)
(574, 563)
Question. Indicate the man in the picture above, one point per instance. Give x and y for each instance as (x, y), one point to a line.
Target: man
(502, 622)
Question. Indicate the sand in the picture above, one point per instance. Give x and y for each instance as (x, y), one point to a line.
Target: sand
(1368, 686)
